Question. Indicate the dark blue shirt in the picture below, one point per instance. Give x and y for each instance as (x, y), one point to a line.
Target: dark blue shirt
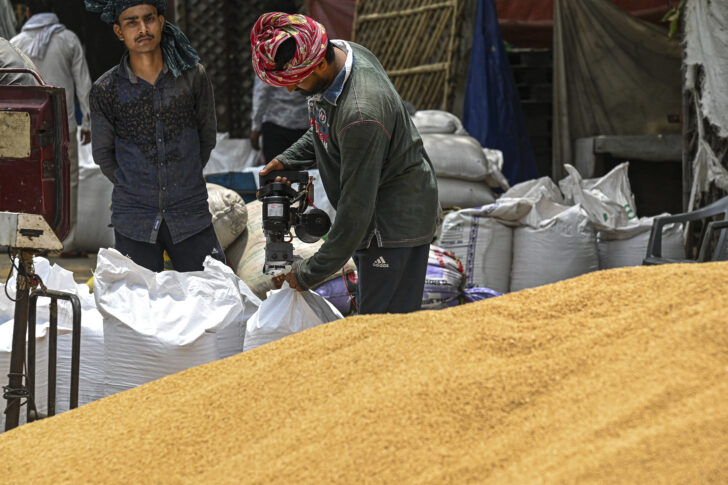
(152, 142)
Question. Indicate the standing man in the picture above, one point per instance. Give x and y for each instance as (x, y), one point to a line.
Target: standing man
(370, 156)
(278, 118)
(7, 20)
(61, 62)
(153, 126)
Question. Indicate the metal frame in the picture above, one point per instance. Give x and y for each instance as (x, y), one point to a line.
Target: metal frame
(25, 319)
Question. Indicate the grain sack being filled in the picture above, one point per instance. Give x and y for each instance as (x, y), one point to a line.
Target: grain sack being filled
(616, 376)
(247, 254)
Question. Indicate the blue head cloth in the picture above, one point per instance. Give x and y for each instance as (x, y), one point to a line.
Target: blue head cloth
(178, 53)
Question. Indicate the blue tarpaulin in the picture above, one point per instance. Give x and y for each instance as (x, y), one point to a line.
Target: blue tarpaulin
(492, 112)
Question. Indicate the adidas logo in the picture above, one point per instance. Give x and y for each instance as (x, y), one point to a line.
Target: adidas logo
(380, 263)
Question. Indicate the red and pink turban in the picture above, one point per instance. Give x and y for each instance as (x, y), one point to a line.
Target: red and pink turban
(270, 31)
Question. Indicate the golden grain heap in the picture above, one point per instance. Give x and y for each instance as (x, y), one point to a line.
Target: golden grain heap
(615, 376)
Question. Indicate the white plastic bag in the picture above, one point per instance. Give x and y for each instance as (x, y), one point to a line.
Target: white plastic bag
(41, 367)
(627, 246)
(438, 121)
(156, 324)
(463, 193)
(91, 373)
(483, 244)
(456, 156)
(608, 201)
(562, 247)
(285, 312)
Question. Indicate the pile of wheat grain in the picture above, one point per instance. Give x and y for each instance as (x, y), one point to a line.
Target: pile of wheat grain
(615, 376)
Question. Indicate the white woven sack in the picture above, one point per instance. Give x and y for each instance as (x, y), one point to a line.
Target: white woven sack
(627, 246)
(463, 193)
(437, 121)
(41, 367)
(93, 229)
(156, 324)
(91, 371)
(535, 189)
(562, 247)
(482, 244)
(59, 279)
(456, 156)
(229, 215)
(285, 312)
(608, 201)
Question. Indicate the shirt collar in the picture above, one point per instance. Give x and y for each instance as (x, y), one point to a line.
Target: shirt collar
(129, 74)
(332, 94)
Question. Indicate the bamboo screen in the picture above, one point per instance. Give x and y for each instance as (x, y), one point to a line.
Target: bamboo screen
(416, 41)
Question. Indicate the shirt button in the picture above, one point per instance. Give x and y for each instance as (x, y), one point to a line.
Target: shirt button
(164, 210)
(164, 188)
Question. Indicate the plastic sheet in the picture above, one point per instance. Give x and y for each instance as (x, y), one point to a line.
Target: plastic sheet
(614, 74)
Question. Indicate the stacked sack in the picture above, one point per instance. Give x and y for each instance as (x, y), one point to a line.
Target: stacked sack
(622, 236)
(535, 235)
(465, 171)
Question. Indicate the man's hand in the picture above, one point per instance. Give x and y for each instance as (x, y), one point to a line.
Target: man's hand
(254, 137)
(85, 137)
(289, 277)
(273, 166)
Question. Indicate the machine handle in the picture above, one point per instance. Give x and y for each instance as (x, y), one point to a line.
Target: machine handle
(293, 176)
(24, 70)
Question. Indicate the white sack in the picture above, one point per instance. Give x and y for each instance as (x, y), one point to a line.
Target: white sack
(495, 177)
(562, 247)
(93, 213)
(608, 201)
(229, 215)
(482, 244)
(91, 370)
(535, 189)
(463, 193)
(627, 246)
(285, 312)
(41, 368)
(231, 155)
(156, 324)
(437, 121)
(454, 156)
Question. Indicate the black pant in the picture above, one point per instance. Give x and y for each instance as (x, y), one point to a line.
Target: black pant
(277, 139)
(391, 280)
(186, 255)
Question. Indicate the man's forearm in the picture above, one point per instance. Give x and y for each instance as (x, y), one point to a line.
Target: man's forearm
(107, 163)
